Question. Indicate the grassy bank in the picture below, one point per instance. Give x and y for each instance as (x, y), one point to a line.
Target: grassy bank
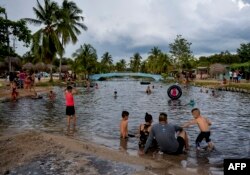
(217, 84)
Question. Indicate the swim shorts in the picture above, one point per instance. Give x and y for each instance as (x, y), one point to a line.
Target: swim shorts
(70, 110)
(201, 136)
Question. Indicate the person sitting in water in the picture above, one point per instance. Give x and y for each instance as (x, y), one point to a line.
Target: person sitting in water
(36, 96)
(144, 130)
(52, 95)
(148, 90)
(124, 125)
(174, 92)
(203, 124)
(165, 135)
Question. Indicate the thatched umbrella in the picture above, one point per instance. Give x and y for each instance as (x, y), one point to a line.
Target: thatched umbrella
(217, 69)
(28, 66)
(65, 68)
(40, 66)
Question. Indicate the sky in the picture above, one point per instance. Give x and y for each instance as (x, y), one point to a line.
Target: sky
(123, 27)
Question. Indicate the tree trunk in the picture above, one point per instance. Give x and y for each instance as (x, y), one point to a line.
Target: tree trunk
(60, 64)
(51, 74)
(60, 68)
(8, 43)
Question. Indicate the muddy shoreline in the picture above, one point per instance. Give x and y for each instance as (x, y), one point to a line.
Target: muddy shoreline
(41, 153)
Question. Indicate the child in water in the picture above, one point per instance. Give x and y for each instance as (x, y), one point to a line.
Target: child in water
(174, 92)
(148, 90)
(203, 124)
(14, 92)
(52, 95)
(124, 125)
(144, 130)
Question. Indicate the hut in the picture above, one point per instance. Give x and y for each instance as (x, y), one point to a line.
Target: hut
(218, 71)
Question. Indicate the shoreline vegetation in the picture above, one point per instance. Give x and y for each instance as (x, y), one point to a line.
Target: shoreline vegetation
(44, 86)
(49, 153)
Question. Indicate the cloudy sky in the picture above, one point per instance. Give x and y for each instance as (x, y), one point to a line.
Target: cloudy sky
(123, 27)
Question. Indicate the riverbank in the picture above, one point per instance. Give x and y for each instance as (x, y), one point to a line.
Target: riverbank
(42, 153)
(243, 87)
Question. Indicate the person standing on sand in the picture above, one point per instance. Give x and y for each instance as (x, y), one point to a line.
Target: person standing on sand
(70, 106)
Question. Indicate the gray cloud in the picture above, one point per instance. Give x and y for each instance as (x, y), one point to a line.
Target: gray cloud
(124, 27)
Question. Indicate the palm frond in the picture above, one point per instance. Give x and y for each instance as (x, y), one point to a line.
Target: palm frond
(33, 21)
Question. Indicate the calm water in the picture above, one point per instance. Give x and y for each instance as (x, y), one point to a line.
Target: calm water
(99, 114)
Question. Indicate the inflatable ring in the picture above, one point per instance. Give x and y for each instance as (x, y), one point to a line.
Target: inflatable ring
(175, 95)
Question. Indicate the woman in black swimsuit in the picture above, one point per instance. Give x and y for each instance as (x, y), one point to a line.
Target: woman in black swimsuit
(144, 130)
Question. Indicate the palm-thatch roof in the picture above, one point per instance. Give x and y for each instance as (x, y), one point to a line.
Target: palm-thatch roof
(40, 66)
(65, 68)
(217, 69)
(14, 60)
(28, 66)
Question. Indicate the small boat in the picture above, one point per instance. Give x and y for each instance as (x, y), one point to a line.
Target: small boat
(145, 82)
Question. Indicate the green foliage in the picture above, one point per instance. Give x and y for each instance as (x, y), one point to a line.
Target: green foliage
(121, 65)
(244, 52)
(224, 58)
(12, 29)
(180, 52)
(106, 63)
(135, 62)
(85, 60)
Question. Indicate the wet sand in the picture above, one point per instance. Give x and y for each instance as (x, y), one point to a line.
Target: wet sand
(41, 153)
(5, 93)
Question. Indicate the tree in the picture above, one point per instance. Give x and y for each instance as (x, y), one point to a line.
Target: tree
(86, 58)
(180, 51)
(152, 60)
(244, 52)
(135, 62)
(45, 42)
(121, 65)
(69, 26)
(107, 62)
(15, 29)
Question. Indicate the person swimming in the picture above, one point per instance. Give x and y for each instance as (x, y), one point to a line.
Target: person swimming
(148, 90)
(115, 93)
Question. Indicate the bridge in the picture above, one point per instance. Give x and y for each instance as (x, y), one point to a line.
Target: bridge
(156, 77)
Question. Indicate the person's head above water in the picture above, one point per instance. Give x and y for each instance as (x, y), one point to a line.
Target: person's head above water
(195, 112)
(148, 118)
(163, 117)
(125, 114)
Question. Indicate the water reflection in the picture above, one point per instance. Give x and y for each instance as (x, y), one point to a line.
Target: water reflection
(99, 112)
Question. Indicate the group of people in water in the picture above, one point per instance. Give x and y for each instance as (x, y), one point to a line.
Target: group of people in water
(166, 137)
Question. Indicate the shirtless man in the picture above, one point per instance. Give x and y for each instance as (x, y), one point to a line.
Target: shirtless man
(203, 124)
(124, 125)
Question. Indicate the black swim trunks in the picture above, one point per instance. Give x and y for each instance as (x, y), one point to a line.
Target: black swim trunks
(201, 136)
(181, 142)
(70, 110)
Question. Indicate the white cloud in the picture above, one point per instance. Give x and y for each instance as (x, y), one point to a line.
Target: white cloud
(123, 27)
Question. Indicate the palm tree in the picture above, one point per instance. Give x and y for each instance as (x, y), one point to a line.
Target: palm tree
(107, 61)
(86, 57)
(121, 65)
(135, 62)
(69, 26)
(153, 59)
(45, 41)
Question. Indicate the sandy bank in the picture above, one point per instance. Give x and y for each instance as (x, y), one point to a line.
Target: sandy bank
(41, 153)
(5, 93)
